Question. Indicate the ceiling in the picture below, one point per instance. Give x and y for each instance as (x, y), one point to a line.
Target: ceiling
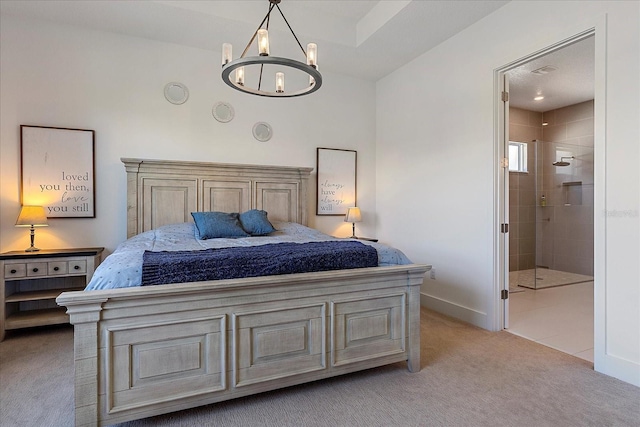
(566, 77)
(362, 38)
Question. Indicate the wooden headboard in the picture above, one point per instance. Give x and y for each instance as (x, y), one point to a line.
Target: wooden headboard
(161, 192)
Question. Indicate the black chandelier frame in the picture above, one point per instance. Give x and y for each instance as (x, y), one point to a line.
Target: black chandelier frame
(262, 60)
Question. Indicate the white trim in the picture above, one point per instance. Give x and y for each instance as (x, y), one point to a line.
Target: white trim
(599, 202)
(496, 312)
(622, 369)
(458, 311)
(604, 362)
(501, 200)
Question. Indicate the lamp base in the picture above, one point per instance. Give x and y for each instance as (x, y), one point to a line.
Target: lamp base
(33, 239)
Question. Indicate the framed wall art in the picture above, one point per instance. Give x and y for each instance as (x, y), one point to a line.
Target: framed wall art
(336, 171)
(58, 170)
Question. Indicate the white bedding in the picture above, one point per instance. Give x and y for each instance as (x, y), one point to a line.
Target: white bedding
(123, 268)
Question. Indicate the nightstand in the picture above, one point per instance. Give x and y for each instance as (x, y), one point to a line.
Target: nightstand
(31, 281)
(368, 239)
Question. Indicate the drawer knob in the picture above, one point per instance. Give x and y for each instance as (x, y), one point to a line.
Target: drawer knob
(14, 271)
(56, 268)
(35, 270)
(76, 267)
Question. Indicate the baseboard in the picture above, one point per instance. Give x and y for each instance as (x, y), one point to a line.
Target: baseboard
(616, 367)
(452, 309)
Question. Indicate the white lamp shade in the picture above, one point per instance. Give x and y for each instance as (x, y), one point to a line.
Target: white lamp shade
(32, 216)
(312, 54)
(240, 76)
(263, 42)
(353, 215)
(227, 50)
(279, 82)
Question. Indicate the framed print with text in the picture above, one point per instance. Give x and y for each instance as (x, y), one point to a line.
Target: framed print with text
(336, 171)
(58, 170)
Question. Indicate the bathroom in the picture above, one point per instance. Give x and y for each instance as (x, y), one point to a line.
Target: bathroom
(551, 202)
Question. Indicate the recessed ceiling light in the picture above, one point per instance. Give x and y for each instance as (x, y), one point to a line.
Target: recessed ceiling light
(538, 98)
(545, 123)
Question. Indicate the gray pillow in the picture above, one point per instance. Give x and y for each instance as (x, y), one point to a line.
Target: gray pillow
(213, 225)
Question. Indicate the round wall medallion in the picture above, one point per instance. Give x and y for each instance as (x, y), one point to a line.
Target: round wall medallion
(262, 131)
(176, 93)
(223, 112)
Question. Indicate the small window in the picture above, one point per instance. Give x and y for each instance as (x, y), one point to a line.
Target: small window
(517, 156)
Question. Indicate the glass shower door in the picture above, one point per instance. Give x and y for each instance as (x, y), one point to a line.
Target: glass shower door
(564, 214)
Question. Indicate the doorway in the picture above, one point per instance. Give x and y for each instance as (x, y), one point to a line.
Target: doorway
(548, 197)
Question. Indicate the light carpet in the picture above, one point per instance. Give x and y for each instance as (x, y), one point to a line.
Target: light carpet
(469, 377)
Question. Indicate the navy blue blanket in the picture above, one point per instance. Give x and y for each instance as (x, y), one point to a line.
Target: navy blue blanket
(275, 258)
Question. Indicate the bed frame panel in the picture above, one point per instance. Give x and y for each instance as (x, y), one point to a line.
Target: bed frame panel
(151, 350)
(161, 192)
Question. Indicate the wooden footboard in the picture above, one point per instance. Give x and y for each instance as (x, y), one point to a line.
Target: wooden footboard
(146, 351)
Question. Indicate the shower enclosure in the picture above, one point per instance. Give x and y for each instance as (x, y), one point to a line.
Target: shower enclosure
(551, 216)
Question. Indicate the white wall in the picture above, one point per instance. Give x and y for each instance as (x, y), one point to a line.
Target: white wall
(62, 76)
(436, 165)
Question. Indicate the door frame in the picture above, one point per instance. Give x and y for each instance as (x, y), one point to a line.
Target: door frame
(501, 180)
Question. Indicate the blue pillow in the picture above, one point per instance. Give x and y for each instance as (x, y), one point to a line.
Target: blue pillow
(213, 225)
(255, 222)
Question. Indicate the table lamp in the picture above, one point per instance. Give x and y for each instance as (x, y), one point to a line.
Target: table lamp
(32, 216)
(353, 215)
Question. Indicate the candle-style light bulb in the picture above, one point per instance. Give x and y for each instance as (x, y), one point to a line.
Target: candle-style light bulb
(312, 81)
(279, 82)
(226, 53)
(240, 76)
(312, 55)
(263, 42)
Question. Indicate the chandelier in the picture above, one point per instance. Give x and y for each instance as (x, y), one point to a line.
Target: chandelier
(236, 68)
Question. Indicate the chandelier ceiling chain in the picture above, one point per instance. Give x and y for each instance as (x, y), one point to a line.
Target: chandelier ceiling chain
(264, 58)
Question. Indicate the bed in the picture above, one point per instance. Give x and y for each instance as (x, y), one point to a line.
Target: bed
(146, 350)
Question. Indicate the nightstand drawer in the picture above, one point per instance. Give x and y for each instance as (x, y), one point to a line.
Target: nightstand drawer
(77, 267)
(35, 269)
(51, 268)
(12, 271)
(58, 267)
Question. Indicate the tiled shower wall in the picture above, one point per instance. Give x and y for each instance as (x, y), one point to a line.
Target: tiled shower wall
(524, 126)
(565, 240)
(559, 235)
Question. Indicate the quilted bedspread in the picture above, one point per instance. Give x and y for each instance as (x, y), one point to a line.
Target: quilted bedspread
(123, 268)
(266, 260)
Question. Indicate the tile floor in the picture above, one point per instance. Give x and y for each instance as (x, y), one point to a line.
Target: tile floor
(559, 317)
(538, 278)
